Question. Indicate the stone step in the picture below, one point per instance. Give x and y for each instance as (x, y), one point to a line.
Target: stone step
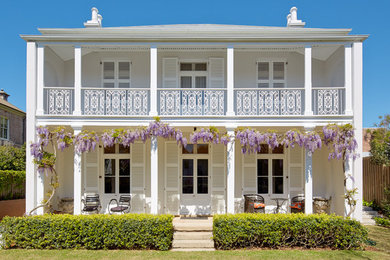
(372, 213)
(192, 249)
(193, 243)
(180, 235)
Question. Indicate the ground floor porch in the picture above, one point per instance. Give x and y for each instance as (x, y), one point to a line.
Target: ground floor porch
(201, 179)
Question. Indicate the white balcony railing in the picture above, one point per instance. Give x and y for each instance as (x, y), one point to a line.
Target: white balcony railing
(328, 101)
(97, 101)
(194, 102)
(58, 100)
(252, 102)
(189, 102)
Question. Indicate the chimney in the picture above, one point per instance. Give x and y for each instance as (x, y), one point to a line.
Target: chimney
(3, 95)
(292, 19)
(96, 19)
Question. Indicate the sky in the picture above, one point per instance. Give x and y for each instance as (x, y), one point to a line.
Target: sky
(363, 16)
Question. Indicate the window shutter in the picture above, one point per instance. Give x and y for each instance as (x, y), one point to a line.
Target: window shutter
(137, 181)
(91, 171)
(216, 73)
(296, 171)
(172, 180)
(218, 182)
(170, 72)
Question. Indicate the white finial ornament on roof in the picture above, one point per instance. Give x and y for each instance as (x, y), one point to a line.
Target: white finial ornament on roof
(96, 19)
(292, 19)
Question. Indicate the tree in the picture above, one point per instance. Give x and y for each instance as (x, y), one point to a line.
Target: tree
(380, 142)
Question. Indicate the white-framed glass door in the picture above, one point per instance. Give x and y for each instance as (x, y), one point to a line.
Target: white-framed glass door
(195, 180)
(116, 175)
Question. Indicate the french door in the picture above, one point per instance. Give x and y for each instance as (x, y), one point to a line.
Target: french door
(116, 173)
(195, 184)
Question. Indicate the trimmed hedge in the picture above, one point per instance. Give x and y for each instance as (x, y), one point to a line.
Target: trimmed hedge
(12, 184)
(287, 230)
(128, 231)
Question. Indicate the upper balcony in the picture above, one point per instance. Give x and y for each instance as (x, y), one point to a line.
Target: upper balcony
(194, 81)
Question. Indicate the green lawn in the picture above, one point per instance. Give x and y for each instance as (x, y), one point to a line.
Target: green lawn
(380, 251)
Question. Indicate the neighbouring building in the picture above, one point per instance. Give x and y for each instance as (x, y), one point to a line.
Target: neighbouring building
(195, 75)
(12, 122)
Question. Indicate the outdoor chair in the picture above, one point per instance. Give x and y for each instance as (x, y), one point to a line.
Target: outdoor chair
(123, 206)
(297, 204)
(91, 204)
(254, 203)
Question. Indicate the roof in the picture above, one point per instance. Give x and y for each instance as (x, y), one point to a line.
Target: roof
(194, 32)
(8, 104)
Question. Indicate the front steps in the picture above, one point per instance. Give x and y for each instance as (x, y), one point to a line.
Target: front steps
(193, 234)
(368, 216)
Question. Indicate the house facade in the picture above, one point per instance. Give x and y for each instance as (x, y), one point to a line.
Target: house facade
(12, 122)
(192, 77)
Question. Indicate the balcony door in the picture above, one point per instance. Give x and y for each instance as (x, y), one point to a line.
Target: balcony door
(193, 75)
(195, 180)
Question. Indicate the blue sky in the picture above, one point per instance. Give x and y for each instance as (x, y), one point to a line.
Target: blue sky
(364, 17)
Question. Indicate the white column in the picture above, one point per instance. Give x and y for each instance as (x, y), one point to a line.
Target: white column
(308, 81)
(77, 81)
(348, 78)
(348, 183)
(230, 173)
(77, 177)
(154, 175)
(308, 179)
(40, 191)
(230, 81)
(40, 78)
(357, 81)
(31, 76)
(153, 81)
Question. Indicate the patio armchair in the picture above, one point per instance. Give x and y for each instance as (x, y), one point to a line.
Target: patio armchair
(297, 204)
(91, 204)
(123, 206)
(254, 203)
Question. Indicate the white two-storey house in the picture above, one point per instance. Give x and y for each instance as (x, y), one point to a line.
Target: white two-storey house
(194, 76)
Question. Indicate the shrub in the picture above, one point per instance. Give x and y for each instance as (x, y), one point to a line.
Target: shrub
(13, 158)
(282, 230)
(385, 222)
(128, 231)
(12, 184)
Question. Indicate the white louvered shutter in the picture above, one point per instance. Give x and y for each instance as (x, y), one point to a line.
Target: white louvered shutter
(296, 171)
(249, 182)
(218, 181)
(137, 181)
(91, 171)
(216, 73)
(172, 194)
(170, 72)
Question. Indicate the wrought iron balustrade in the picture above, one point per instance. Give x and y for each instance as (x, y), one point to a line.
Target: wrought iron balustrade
(191, 102)
(58, 100)
(98, 101)
(258, 102)
(328, 101)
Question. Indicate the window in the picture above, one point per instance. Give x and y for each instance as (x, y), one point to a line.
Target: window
(193, 75)
(270, 170)
(116, 74)
(4, 128)
(117, 169)
(271, 74)
(196, 149)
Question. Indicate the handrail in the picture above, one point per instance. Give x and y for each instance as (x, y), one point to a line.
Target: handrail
(95, 88)
(59, 88)
(327, 88)
(191, 89)
(269, 89)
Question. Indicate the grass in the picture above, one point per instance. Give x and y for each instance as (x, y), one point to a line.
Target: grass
(380, 235)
